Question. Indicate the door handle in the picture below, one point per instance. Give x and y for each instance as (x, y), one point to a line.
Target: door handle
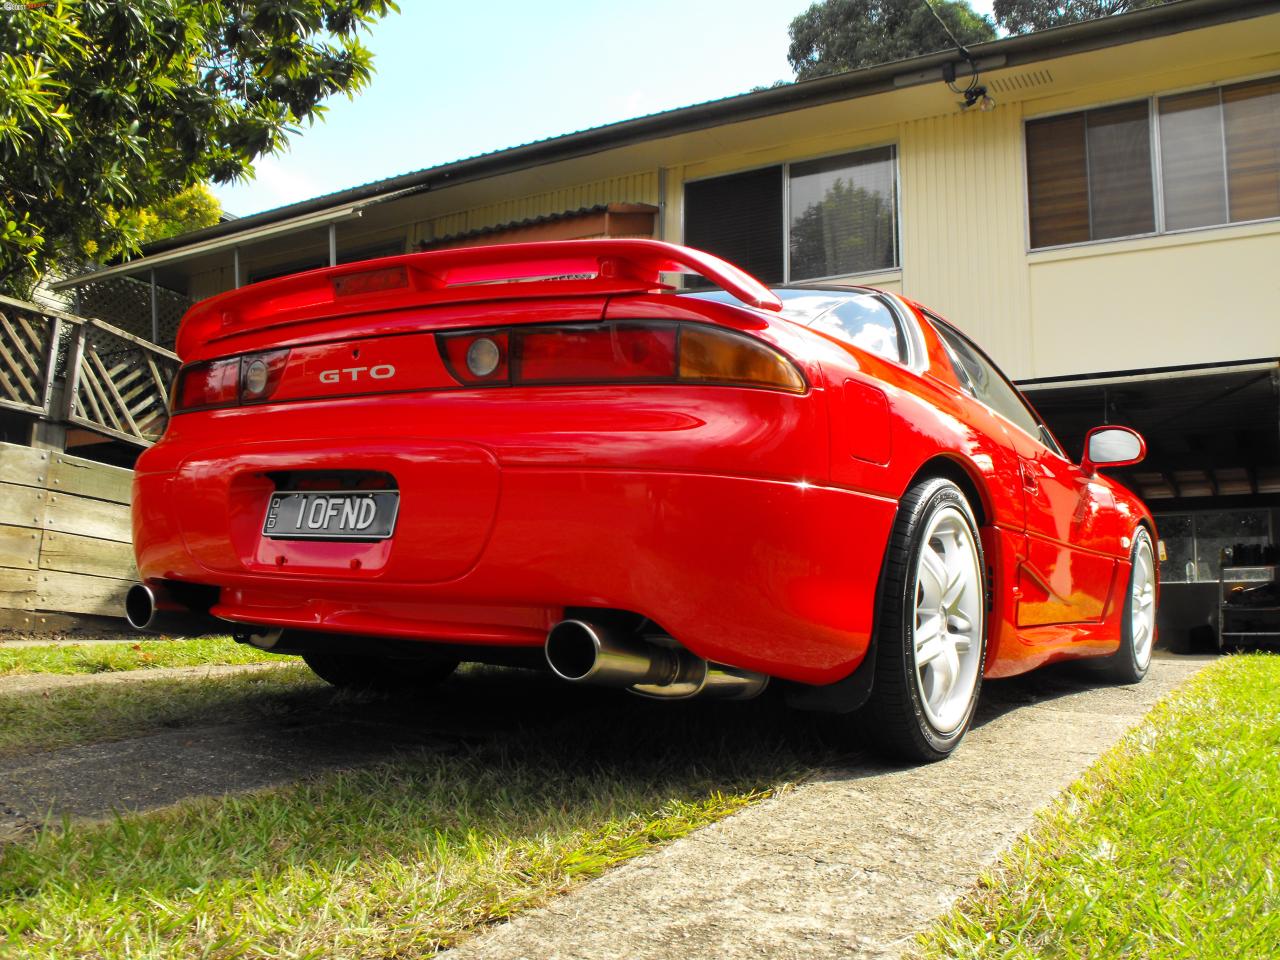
(1029, 479)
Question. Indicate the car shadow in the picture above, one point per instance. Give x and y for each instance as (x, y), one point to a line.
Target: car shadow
(520, 716)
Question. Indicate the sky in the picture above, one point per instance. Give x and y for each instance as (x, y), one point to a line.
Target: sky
(456, 79)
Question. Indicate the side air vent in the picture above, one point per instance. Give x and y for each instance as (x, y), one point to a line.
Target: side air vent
(1018, 82)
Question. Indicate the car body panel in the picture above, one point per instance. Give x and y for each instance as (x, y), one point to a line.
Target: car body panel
(749, 523)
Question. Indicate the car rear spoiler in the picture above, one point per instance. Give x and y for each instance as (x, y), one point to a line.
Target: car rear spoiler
(507, 271)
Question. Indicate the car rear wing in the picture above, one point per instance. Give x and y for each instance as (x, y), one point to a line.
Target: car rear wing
(506, 271)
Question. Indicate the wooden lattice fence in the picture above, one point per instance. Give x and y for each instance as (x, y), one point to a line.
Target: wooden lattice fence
(114, 383)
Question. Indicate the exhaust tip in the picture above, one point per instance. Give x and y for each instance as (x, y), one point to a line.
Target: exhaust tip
(140, 606)
(572, 649)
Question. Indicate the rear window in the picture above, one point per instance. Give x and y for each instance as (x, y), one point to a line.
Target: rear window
(862, 319)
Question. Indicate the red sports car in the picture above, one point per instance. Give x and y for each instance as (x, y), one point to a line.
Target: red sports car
(544, 453)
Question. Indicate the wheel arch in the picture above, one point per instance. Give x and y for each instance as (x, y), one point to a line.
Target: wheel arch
(852, 692)
(964, 475)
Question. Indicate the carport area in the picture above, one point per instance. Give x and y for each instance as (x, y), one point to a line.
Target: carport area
(1211, 476)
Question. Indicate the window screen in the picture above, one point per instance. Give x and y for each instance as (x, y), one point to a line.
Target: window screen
(1192, 166)
(843, 215)
(738, 218)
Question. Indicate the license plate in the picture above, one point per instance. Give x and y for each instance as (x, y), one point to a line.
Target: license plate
(332, 515)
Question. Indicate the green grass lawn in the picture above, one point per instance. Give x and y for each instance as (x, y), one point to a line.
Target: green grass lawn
(528, 786)
(1168, 848)
(91, 713)
(142, 654)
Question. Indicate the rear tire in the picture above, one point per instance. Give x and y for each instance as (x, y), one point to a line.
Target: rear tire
(931, 639)
(378, 673)
(1131, 662)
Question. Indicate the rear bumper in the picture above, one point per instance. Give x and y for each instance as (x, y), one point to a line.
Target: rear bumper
(516, 504)
(773, 576)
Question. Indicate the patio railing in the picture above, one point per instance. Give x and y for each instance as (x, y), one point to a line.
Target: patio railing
(113, 382)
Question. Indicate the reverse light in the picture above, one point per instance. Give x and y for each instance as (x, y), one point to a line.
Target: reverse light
(483, 357)
(260, 375)
(469, 355)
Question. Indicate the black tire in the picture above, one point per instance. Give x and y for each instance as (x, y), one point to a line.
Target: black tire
(378, 673)
(1125, 665)
(894, 722)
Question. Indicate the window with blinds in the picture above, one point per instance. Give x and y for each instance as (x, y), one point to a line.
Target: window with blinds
(739, 218)
(800, 221)
(1090, 174)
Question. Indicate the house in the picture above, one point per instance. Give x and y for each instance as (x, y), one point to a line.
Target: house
(1104, 218)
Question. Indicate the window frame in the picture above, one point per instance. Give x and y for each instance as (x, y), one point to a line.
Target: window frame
(1157, 175)
(784, 167)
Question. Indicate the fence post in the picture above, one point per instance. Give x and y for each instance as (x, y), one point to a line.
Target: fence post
(51, 366)
(72, 388)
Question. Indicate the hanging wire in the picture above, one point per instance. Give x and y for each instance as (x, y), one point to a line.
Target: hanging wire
(975, 92)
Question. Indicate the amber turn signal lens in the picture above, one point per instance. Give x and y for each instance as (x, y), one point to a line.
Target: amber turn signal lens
(710, 354)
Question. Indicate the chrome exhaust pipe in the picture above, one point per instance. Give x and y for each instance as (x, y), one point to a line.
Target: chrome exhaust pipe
(658, 667)
(155, 610)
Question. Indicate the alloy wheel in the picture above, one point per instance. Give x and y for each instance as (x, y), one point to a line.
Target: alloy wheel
(1142, 603)
(948, 620)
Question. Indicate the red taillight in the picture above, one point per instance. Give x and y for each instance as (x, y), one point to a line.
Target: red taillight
(204, 385)
(596, 353)
(630, 351)
(226, 383)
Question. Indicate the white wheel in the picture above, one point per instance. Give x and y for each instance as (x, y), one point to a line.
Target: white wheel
(1142, 602)
(930, 643)
(947, 620)
(1138, 624)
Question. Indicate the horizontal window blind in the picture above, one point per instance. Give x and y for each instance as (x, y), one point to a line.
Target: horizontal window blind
(738, 218)
(1089, 174)
(1057, 181)
(1251, 113)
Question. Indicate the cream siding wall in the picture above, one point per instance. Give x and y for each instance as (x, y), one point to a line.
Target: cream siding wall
(962, 227)
(1203, 297)
(633, 188)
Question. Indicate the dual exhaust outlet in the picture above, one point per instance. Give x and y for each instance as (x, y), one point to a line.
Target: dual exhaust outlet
(654, 666)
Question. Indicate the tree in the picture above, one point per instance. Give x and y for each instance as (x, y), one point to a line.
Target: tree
(1023, 16)
(837, 35)
(193, 208)
(107, 108)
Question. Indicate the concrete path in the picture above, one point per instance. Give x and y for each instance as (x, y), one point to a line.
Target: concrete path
(857, 860)
(27, 682)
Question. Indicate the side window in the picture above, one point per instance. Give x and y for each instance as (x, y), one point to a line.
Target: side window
(988, 384)
(867, 323)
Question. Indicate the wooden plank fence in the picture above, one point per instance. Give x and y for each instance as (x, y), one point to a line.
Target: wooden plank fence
(113, 382)
(65, 536)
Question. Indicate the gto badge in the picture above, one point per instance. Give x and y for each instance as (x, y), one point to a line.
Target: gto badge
(383, 371)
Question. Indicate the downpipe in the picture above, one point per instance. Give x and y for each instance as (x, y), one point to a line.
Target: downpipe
(653, 666)
(154, 609)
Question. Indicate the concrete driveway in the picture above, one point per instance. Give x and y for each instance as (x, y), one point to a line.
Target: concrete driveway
(855, 861)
